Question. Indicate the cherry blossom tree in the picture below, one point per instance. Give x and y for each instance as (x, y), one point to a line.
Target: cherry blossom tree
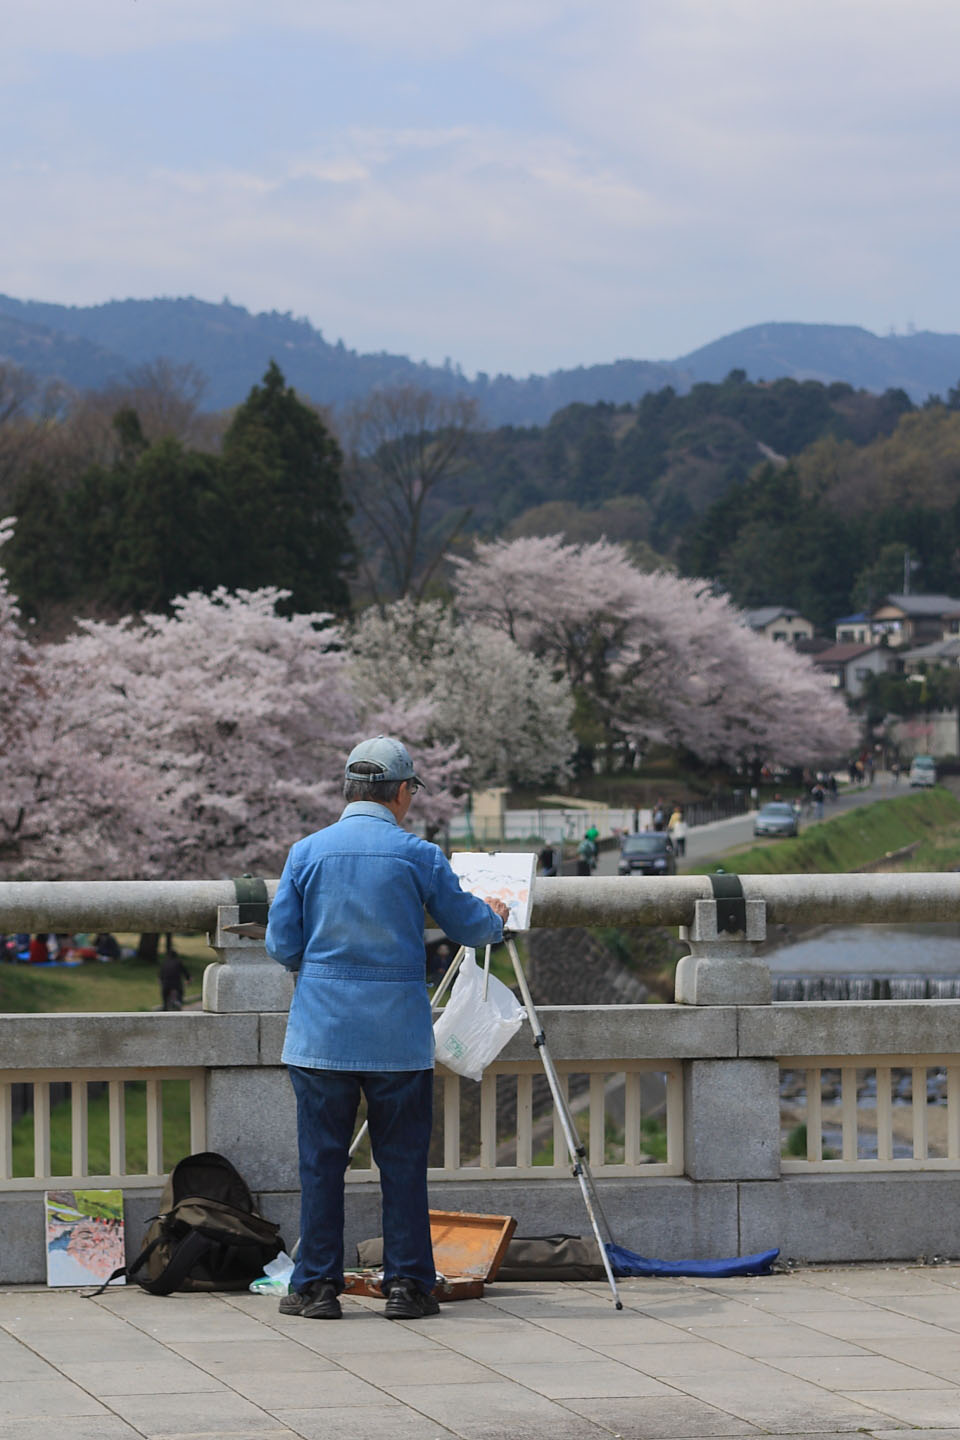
(246, 716)
(509, 714)
(653, 656)
(202, 742)
(59, 798)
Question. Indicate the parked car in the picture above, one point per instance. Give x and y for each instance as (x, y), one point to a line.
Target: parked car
(775, 818)
(923, 770)
(649, 852)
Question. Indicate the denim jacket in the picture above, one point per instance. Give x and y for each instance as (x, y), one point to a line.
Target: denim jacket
(348, 918)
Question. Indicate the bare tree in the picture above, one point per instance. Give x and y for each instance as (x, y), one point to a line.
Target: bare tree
(404, 442)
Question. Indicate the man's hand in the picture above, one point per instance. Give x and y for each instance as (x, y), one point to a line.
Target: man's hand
(500, 909)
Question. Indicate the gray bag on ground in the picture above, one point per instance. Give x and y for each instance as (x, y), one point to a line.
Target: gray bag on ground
(528, 1257)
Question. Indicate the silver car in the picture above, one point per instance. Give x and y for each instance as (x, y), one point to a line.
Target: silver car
(775, 818)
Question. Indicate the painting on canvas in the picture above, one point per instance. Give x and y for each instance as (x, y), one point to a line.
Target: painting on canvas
(84, 1236)
(502, 876)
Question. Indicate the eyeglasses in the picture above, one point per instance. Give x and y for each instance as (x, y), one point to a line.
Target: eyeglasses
(414, 786)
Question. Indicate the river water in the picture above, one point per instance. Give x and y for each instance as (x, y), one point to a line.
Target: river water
(869, 962)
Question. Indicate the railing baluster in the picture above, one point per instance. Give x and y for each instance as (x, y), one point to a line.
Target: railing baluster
(154, 1127)
(525, 1119)
(884, 1112)
(814, 1114)
(598, 1119)
(488, 1119)
(953, 1112)
(559, 1139)
(919, 1091)
(632, 1118)
(6, 1132)
(41, 1128)
(451, 1121)
(118, 1128)
(78, 1128)
(848, 1111)
(198, 1114)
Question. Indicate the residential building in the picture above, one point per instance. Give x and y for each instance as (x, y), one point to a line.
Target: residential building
(779, 622)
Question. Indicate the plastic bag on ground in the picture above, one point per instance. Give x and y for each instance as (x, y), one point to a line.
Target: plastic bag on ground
(275, 1279)
(471, 1031)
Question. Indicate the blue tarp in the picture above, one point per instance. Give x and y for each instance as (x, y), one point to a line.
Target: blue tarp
(626, 1262)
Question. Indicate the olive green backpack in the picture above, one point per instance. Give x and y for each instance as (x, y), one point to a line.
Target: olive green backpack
(207, 1235)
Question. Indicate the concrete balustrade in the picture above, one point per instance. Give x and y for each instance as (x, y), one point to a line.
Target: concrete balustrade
(724, 1188)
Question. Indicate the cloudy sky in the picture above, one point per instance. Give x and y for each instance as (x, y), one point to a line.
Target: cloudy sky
(516, 184)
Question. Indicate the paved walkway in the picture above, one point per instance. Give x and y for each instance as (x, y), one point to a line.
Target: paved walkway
(818, 1352)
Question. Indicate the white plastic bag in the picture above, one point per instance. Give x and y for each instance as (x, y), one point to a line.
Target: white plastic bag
(471, 1031)
(275, 1279)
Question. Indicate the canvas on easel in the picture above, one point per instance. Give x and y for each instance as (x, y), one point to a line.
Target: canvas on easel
(503, 876)
(84, 1236)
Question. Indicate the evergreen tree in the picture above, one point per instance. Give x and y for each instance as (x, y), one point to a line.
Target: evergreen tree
(287, 522)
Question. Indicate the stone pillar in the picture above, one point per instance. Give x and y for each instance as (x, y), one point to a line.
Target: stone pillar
(251, 1113)
(246, 978)
(731, 1124)
(723, 967)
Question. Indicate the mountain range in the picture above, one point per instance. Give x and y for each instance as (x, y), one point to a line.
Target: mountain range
(92, 346)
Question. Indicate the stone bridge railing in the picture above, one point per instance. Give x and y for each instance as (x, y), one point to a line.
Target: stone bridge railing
(718, 1125)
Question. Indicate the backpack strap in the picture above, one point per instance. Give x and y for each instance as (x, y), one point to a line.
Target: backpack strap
(128, 1270)
(191, 1249)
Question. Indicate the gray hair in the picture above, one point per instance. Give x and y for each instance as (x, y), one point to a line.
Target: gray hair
(382, 791)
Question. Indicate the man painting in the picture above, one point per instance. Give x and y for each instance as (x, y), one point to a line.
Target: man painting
(348, 918)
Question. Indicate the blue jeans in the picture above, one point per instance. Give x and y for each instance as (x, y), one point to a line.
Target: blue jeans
(400, 1112)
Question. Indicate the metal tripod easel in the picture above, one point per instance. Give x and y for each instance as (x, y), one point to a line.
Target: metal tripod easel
(575, 1147)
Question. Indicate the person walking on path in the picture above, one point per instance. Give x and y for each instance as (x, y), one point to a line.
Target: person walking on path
(348, 919)
(677, 828)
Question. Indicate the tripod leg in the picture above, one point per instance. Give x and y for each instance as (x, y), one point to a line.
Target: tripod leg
(578, 1156)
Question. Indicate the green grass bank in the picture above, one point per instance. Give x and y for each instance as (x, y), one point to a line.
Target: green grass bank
(862, 837)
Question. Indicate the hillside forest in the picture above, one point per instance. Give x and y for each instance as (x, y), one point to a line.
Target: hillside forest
(790, 492)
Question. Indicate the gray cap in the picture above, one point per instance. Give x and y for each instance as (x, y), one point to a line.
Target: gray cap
(390, 754)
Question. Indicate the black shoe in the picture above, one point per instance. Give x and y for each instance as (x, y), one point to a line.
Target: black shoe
(318, 1302)
(406, 1302)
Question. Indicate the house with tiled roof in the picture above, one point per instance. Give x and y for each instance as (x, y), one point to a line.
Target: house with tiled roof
(779, 622)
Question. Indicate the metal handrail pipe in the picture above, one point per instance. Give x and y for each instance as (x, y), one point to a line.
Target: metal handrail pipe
(790, 899)
(159, 905)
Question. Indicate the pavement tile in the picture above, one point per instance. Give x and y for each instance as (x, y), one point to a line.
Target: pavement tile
(942, 1309)
(78, 1346)
(46, 1397)
(874, 1323)
(136, 1377)
(232, 1357)
(626, 1328)
(69, 1427)
(878, 1280)
(701, 1310)
(367, 1334)
(780, 1402)
(301, 1390)
(938, 1357)
(197, 1414)
(862, 1372)
(914, 1407)
(584, 1379)
(803, 1298)
(18, 1362)
(388, 1422)
(498, 1408)
(781, 1338)
(657, 1418)
(415, 1367)
(936, 1434)
(532, 1343)
(694, 1357)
